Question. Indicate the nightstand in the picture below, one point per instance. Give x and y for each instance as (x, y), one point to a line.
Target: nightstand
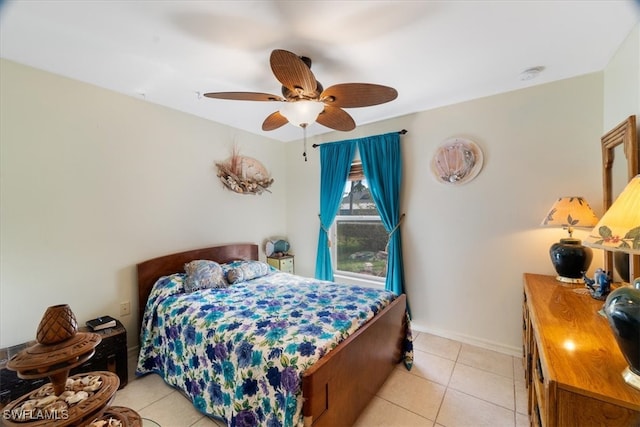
(111, 353)
(283, 263)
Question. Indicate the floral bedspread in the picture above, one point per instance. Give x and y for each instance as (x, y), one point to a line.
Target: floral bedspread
(239, 352)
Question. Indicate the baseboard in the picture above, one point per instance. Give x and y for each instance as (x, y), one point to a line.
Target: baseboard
(478, 342)
(132, 352)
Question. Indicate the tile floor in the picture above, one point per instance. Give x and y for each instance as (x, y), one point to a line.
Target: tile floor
(451, 385)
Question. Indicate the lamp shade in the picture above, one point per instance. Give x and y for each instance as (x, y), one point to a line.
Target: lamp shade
(569, 212)
(301, 113)
(619, 228)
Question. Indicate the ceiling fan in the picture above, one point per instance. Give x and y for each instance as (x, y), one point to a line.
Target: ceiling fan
(304, 100)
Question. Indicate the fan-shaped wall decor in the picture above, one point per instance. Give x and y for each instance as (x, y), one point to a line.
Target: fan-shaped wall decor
(457, 161)
(244, 175)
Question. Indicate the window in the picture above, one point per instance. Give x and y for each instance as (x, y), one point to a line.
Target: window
(358, 234)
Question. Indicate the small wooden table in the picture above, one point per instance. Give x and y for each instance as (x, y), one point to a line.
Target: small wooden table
(283, 263)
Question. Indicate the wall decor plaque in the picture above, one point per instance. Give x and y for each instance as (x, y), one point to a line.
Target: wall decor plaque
(244, 175)
(456, 161)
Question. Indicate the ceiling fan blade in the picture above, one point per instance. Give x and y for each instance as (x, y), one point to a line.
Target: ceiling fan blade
(336, 118)
(244, 96)
(293, 73)
(274, 121)
(351, 95)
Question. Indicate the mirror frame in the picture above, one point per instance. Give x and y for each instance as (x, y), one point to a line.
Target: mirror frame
(626, 134)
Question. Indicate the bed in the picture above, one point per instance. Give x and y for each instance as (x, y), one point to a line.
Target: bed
(334, 389)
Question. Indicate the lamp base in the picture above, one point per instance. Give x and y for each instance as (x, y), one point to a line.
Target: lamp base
(570, 259)
(621, 263)
(631, 378)
(571, 280)
(622, 308)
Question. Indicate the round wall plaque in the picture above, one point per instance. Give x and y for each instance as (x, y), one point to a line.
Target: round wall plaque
(456, 161)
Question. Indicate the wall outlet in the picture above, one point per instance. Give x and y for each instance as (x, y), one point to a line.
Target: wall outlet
(125, 308)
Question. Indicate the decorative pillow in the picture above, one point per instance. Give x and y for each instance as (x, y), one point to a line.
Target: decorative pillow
(227, 267)
(247, 270)
(202, 274)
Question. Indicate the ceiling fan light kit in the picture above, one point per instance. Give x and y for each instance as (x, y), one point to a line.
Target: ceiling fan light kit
(301, 113)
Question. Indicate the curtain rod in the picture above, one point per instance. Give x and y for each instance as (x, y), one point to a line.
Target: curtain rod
(401, 132)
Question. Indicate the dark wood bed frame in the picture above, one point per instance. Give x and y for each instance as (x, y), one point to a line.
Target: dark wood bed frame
(340, 385)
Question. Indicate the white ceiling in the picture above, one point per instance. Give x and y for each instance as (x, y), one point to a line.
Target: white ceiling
(434, 53)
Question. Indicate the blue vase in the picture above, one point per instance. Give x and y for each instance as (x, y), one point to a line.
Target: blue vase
(570, 259)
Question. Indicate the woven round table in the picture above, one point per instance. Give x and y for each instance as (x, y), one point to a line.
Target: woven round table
(128, 417)
(81, 413)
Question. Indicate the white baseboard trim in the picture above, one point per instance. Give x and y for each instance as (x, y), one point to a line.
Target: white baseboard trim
(478, 342)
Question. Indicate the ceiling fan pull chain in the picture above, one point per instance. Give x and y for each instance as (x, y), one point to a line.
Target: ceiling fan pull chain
(304, 134)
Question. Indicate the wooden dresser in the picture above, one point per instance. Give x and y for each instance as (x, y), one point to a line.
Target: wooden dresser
(571, 360)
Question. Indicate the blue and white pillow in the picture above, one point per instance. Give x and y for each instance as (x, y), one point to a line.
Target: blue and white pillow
(203, 274)
(241, 271)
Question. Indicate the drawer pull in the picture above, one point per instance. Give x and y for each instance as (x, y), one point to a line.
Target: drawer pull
(540, 376)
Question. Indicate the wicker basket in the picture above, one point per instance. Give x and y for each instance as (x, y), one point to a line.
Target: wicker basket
(111, 414)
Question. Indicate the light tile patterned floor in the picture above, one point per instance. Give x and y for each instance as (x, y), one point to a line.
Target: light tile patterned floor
(451, 385)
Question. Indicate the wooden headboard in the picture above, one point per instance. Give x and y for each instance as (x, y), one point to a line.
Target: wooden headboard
(151, 270)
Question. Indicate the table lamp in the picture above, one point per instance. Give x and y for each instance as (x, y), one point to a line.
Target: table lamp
(619, 230)
(568, 256)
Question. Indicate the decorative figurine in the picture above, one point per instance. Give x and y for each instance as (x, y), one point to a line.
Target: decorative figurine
(600, 285)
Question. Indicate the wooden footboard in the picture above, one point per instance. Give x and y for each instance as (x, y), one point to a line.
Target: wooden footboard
(341, 384)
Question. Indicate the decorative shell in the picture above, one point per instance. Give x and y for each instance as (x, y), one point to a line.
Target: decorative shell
(46, 401)
(77, 390)
(43, 391)
(244, 175)
(77, 397)
(109, 422)
(457, 161)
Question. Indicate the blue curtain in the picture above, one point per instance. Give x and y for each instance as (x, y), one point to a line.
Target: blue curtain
(335, 163)
(382, 166)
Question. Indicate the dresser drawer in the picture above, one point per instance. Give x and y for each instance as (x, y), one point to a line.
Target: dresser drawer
(284, 264)
(540, 388)
(287, 265)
